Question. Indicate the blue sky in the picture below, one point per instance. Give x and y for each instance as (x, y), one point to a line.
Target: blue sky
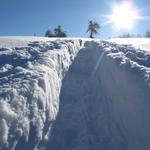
(26, 17)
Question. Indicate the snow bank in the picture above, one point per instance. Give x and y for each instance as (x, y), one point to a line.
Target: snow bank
(74, 95)
(30, 82)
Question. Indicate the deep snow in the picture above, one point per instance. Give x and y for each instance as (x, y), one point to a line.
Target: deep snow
(73, 94)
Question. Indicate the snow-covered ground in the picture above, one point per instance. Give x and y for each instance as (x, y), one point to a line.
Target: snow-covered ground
(141, 43)
(16, 41)
(73, 94)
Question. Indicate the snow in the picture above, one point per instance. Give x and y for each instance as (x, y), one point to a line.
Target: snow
(19, 41)
(141, 43)
(30, 81)
(73, 94)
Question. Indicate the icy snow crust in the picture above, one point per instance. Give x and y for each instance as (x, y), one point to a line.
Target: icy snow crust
(74, 95)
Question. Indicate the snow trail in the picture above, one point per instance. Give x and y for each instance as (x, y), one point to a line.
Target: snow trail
(102, 108)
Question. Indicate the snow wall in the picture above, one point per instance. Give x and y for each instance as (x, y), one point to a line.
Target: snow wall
(74, 95)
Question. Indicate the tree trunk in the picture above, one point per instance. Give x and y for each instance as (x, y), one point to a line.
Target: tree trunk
(91, 35)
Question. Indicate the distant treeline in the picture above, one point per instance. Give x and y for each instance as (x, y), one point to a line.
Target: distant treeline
(129, 35)
(93, 28)
(58, 32)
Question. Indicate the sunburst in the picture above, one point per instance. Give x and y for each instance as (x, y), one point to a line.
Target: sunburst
(124, 16)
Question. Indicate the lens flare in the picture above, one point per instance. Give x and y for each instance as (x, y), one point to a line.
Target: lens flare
(124, 16)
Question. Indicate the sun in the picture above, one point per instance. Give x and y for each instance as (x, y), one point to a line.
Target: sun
(124, 16)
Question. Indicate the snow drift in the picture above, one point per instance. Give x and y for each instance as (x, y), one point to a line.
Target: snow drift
(74, 95)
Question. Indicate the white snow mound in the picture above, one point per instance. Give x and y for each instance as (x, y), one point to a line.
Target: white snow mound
(73, 94)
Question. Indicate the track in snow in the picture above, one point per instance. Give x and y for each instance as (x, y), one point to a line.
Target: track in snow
(102, 105)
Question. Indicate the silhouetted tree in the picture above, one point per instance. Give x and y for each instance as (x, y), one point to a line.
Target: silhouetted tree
(49, 33)
(126, 35)
(147, 34)
(59, 32)
(93, 28)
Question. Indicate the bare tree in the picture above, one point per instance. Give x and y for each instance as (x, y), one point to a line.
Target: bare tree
(93, 28)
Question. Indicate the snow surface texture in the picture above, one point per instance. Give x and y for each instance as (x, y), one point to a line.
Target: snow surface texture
(30, 82)
(74, 95)
(142, 43)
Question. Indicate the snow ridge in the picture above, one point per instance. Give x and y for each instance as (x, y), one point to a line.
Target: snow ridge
(136, 59)
(30, 82)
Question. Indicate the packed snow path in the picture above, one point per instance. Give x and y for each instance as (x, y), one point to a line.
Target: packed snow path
(74, 95)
